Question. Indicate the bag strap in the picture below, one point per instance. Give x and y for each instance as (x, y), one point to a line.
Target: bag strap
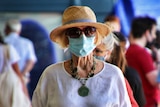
(7, 52)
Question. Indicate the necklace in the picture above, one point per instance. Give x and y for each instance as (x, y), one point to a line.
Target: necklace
(83, 90)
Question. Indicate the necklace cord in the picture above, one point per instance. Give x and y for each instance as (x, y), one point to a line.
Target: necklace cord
(83, 90)
(74, 71)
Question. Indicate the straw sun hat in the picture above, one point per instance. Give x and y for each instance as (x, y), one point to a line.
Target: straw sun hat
(76, 16)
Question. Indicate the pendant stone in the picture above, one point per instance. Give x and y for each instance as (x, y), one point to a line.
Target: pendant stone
(83, 91)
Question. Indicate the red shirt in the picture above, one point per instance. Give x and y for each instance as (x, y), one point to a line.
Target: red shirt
(138, 58)
(130, 94)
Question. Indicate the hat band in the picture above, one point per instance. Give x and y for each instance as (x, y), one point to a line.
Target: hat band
(75, 21)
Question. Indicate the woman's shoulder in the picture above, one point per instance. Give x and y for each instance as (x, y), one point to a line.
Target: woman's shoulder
(54, 68)
(112, 69)
(110, 66)
(54, 72)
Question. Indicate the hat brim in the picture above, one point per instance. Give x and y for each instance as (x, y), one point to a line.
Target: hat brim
(58, 34)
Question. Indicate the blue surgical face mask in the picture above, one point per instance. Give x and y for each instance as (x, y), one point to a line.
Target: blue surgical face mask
(99, 57)
(81, 46)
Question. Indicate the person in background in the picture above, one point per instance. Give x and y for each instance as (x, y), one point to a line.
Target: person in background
(114, 21)
(14, 57)
(122, 40)
(13, 92)
(157, 40)
(130, 73)
(81, 81)
(143, 30)
(110, 51)
(23, 46)
(157, 58)
(154, 48)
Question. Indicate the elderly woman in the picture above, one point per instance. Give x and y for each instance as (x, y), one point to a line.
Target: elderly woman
(82, 81)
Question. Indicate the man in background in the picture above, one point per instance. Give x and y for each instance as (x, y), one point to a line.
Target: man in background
(143, 30)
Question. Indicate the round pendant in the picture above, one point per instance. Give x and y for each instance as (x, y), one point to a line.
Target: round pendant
(83, 91)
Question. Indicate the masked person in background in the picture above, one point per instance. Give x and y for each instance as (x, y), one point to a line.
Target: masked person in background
(110, 51)
(81, 81)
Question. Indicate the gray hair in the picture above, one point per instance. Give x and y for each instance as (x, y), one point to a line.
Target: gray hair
(109, 41)
(14, 25)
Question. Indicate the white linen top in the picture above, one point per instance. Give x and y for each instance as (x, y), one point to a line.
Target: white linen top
(23, 46)
(57, 88)
(13, 55)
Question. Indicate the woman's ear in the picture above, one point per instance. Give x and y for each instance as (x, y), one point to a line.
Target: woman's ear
(107, 55)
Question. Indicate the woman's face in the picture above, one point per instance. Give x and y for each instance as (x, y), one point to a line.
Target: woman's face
(102, 51)
(81, 40)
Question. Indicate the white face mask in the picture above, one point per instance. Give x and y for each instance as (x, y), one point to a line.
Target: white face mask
(81, 46)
